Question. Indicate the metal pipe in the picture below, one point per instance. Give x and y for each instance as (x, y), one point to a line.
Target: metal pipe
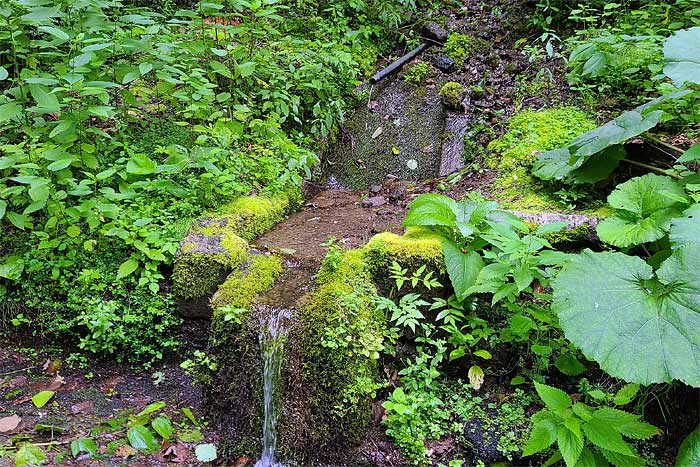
(398, 63)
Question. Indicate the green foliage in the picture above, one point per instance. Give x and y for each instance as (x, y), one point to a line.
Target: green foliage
(681, 52)
(689, 452)
(458, 47)
(637, 323)
(99, 182)
(417, 73)
(584, 435)
(644, 207)
(486, 250)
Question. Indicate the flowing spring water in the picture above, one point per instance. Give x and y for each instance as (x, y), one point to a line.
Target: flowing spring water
(273, 331)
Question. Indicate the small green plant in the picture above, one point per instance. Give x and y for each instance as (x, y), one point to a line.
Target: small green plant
(584, 435)
(417, 73)
(458, 47)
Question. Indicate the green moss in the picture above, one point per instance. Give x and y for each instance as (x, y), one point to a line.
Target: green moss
(340, 343)
(198, 271)
(452, 94)
(514, 153)
(243, 286)
(417, 73)
(458, 47)
(416, 248)
(251, 216)
(216, 245)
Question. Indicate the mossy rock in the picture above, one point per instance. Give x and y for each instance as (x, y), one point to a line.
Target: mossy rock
(339, 340)
(417, 247)
(243, 286)
(513, 155)
(452, 94)
(234, 393)
(217, 244)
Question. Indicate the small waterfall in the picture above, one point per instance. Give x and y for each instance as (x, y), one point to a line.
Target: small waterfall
(273, 330)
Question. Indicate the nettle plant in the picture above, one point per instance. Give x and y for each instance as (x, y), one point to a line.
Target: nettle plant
(585, 435)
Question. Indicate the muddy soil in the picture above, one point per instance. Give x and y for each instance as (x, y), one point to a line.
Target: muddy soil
(87, 401)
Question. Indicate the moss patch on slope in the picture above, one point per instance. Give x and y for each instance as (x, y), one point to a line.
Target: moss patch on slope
(513, 154)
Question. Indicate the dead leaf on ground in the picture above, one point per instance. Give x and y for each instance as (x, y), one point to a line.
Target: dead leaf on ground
(125, 451)
(56, 383)
(109, 386)
(9, 423)
(82, 407)
(177, 453)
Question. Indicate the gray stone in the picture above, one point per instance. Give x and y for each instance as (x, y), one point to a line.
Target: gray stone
(435, 32)
(444, 64)
(373, 202)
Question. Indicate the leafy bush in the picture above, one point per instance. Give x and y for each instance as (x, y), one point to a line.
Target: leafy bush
(585, 435)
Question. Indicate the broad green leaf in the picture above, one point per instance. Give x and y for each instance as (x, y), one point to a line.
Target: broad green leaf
(18, 220)
(691, 155)
(644, 207)
(29, 454)
(543, 435)
(626, 394)
(55, 32)
(86, 445)
(142, 438)
(684, 229)
(140, 164)
(3, 73)
(206, 452)
(462, 268)
(145, 68)
(638, 325)
(431, 209)
(476, 377)
(9, 111)
(617, 459)
(246, 69)
(689, 452)
(127, 268)
(162, 426)
(682, 56)
(604, 436)
(563, 163)
(42, 398)
(570, 445)
(73, 231)
(569, 365)
(3, 208)
(587, 459)
(11, 268)
(626, 423)
(555, 399)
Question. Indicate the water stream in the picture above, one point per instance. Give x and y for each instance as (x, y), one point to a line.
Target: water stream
(274, 324)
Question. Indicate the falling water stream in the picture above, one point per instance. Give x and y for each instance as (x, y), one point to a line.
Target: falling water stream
(273, 330)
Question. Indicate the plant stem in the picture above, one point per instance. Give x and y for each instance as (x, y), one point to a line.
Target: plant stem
(664, 144)
(653, 168)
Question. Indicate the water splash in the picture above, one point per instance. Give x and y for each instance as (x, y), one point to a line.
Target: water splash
(273, 332)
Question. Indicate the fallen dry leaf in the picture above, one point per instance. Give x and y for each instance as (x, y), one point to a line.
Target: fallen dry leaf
(56, 383)
(176, 453)
(109, 386)
(9, 423)
(81, 407)
(125, 451)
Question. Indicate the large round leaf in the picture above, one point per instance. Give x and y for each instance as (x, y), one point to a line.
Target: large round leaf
(686, 229)
(682, 56)
(639, 326)
(644, 209)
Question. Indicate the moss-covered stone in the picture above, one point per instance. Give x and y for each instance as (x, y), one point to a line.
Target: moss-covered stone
(452, 94)
(217, 244)
(339, 343)
(513, 155)
(417, 247)
(247, 282)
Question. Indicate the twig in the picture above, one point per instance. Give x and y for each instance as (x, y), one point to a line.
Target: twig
(664, 144)
(652, 168)
(17, 371)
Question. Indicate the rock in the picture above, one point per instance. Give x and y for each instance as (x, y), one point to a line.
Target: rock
(373, 202)
(398, 193)
(375, 189)
(435, 32)
(445, 64)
